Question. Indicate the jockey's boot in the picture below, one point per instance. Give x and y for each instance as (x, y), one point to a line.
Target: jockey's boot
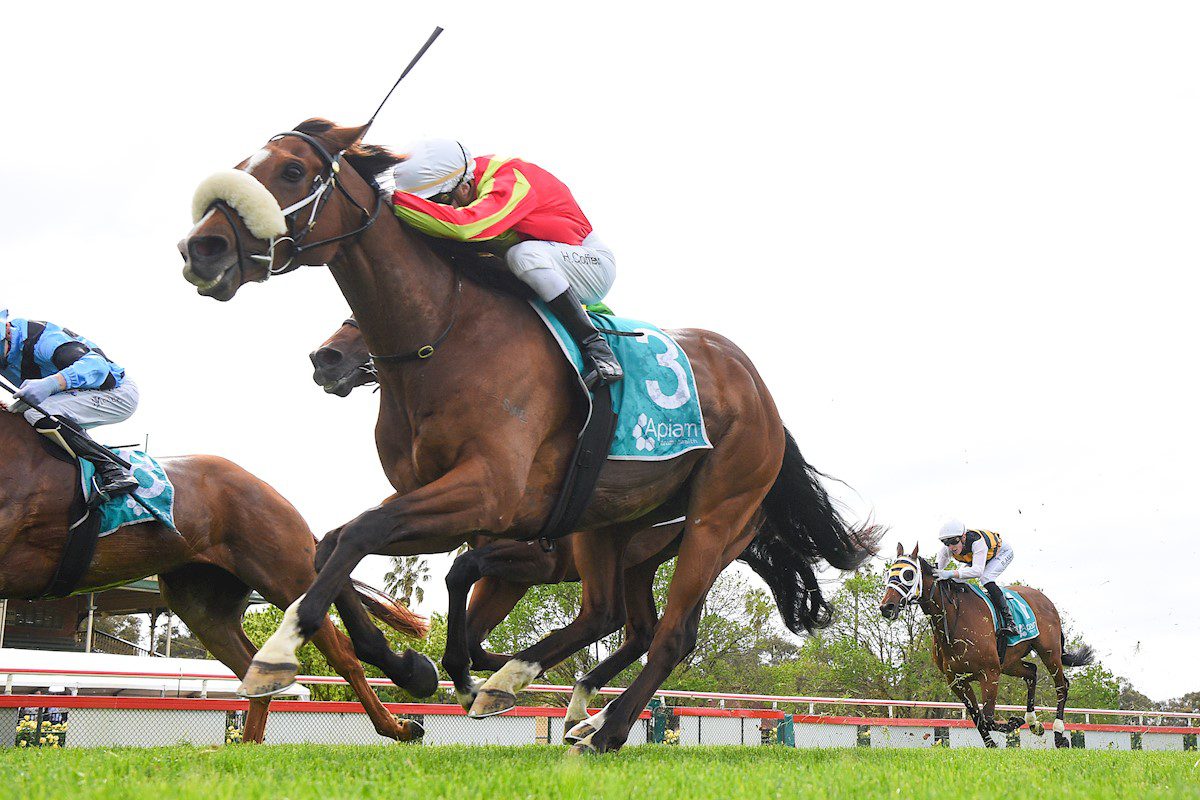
(113, 479)
(605, 368)
(1008, 627)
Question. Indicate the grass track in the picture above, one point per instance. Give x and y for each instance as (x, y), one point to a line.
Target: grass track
(299, 772)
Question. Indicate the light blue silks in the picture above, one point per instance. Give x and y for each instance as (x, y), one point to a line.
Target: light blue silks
(155, 497)
(657, 407)
(1027, 627)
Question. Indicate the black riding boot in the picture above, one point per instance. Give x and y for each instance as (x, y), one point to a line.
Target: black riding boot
(1008, 627)
(113, 479)
(595, 347)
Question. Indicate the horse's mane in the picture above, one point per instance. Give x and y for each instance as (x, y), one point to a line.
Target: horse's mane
(476, 264)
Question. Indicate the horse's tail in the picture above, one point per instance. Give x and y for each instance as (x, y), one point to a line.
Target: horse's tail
(803, 528)
(387, 610)
(1080, 658)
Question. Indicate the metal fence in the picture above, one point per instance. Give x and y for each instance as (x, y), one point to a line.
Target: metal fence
(81, 720)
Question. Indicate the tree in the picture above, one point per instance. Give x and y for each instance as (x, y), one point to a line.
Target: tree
(405, 579)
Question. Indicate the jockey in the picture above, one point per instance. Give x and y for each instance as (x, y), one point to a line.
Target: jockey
(986, 556)
(66, 375)
(440, 190)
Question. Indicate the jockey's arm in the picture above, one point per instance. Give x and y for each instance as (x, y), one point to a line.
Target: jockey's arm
(978, 561)
(79, 367)
(943, 557)
(502, 201)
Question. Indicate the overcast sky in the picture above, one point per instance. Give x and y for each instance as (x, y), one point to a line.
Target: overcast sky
(959, 240)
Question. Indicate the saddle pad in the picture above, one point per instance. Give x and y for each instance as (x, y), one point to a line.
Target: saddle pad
(1027, 627)
(155, 498)
(657, 407)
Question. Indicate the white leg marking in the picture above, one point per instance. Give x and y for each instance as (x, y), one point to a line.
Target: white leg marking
(1059, 727)
(465, 699)
(580, 698)
(1030, 718)
(593, 724)
(286, 640)
(513, 676)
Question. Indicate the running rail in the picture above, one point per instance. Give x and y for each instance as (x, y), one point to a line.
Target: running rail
(721, 697)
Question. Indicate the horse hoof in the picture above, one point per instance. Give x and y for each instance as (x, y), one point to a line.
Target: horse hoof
(1038, 730)
(424, 680)
(583, 747)
(264, 680)
(578, 732)
(490, 702)
(411, 731)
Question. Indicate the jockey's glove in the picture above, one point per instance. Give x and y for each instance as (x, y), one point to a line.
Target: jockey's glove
(943, 574)
(35, 391)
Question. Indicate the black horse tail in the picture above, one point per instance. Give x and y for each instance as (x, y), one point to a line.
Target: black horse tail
(1080, 658)
(801, 529)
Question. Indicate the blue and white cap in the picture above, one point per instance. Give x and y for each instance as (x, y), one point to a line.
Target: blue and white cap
(951, 529)
(430, 167)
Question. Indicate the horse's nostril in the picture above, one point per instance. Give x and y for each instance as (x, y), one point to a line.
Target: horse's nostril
(206, 247)
(325, 357)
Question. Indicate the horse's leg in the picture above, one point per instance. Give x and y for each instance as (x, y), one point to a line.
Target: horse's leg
(411, 671)
(598, 556)
(339, 652)
(961, 686)
(642, 616)
(210, 601)
(1061, 685)
(433, 518)
(989, 685)
(705, 551)
(492, 600)
(1028, 672)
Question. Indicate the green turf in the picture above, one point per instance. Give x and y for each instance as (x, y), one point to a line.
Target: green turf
(297, 772)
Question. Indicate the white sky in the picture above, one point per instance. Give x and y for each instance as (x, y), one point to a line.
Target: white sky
(959, 240)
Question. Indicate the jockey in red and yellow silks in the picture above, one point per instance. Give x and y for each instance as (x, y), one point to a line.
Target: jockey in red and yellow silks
(440, 190)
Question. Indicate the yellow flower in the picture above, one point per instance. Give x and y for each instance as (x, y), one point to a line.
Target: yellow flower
(24, 743)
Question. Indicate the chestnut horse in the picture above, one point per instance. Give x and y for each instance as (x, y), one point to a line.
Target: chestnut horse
(965, 645)
(497, 573)
(479, 414)
(236, 535)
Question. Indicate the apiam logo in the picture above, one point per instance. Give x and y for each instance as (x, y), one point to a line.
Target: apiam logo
(642, 432)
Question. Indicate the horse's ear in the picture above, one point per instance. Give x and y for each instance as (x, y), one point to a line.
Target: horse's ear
(345, 138)
(899, 549)
(916, 549)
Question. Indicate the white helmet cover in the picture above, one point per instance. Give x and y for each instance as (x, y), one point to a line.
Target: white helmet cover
(952, 529)
(430, 167)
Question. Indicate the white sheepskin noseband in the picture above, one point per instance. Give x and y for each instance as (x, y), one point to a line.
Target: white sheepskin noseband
(257, 207)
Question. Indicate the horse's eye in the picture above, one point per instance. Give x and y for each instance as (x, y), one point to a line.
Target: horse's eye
(293, 172)
(909, 575)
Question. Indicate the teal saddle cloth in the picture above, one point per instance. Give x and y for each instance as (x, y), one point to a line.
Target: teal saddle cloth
(154, 501)
(657, 406)
(1027, 627)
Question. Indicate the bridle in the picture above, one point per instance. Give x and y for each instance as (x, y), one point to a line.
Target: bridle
(317, 198)
(909, 589)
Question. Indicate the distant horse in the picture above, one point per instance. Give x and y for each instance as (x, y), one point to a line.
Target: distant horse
(497, 573)
(965, 645)
(479, 414)
(236, 535)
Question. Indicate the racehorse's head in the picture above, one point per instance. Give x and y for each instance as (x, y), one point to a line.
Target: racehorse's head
(905, 582)
(292, 203)
(343, 362)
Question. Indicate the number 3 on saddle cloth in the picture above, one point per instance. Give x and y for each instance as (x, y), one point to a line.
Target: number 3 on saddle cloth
(652, 415)
(656, 405)
(1027, 627)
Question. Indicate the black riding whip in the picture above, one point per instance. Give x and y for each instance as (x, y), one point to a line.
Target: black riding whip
(432, 37)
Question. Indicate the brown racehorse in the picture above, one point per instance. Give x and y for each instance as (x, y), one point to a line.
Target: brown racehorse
(497, 573)
(479, 416)
(965, 647)
(236, 535)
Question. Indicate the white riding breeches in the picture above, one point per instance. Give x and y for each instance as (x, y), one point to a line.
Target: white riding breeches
(996, 565)
(91, 407)
(550, 267)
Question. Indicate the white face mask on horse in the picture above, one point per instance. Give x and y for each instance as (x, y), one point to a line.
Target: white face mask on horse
(905, 577)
